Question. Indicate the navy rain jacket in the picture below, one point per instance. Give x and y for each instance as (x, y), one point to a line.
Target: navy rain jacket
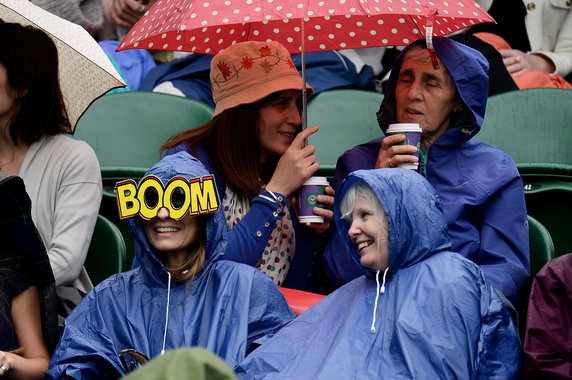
(481, 189)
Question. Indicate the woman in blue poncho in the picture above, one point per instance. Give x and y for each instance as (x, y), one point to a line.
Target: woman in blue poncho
(183, 294)
(420, 312)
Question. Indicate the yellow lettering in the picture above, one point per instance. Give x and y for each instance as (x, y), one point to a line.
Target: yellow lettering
(127, 204)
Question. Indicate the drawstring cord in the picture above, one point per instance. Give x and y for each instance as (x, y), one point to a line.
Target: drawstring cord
(166, 313)
(378, 291)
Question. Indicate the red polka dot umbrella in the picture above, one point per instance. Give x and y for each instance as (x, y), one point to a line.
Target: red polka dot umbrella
(208, 26)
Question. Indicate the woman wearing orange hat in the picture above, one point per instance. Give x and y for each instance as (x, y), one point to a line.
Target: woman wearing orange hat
(255, 147)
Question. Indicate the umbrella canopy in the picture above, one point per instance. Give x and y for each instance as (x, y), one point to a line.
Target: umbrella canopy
(85, 72)
(208, 26)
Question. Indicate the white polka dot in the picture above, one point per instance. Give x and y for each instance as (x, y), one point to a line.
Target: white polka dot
(289, 14)
(268, 17)
(218, 31)
(203, 23)
(296, 29)
(246, 18)
(215, 13)
(225, 20)
(193, 15)
(322, 46)
(460, 12)
(207, 50)
(404, 9)
(205, 5)
(310, 38)
(179, 37)
(220, 41)
(227, 3)
(384, 41)
(236, 11)
(331, 11)
(343, 44)
(394, 31)
(310, 13)
(165, 46)
(317, 27)
(257, 9)
(342, 1)
(136, 44)
(300, 6)
(339, 26)
(352, 34)
(359, 23)
(248, 2)
(256, 32)
(193, 38)
(372, 32)
(331, 36)
(231, 31)
(204, 30)
(352, 10)
(194, 48)
(206, 40)
(183, 27)
(402, 21)
(363, 43)
(150, 45)
(327, 18)
(276, 30)
(380, 22)
(269, 40)
(290, 39)
(180, 47)
(285, 21)
(164, 35)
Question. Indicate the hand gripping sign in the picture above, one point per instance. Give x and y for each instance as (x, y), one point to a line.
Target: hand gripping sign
(180, 196)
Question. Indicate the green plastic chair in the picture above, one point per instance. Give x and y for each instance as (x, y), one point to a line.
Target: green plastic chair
(106, 255)
(346, 118)
(532, 125)
(541, 252)
(126, 129)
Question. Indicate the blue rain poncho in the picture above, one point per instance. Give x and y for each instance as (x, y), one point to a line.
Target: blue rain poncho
(437, 318)
(225, 309)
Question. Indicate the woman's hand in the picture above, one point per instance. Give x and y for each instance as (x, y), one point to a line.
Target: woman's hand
(390, 155)
(6, 362)
(295, 166)
(517, 62)
(127, 12)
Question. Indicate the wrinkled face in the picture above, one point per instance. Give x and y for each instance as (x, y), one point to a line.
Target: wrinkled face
(368, 233)
(7, 98)
(425, 95)
(278, 123)
(170, 236)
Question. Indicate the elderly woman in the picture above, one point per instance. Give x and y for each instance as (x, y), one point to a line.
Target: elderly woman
(420, 312)
(482, 192)
(183, 294)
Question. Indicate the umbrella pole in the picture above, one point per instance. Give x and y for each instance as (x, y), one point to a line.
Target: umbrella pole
(304, 97)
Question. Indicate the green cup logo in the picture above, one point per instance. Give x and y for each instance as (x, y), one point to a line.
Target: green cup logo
(311, 200)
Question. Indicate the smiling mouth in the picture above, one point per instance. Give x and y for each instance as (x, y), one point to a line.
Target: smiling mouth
(413, 112)
(166, 229)
(289, 135)
(364, 244)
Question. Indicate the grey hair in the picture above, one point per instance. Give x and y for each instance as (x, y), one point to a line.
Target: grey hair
(365, 191)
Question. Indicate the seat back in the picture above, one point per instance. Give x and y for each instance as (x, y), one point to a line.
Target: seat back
(127, 129)
(346, 118)
(532, 125)
(541, 252)
(106, 255)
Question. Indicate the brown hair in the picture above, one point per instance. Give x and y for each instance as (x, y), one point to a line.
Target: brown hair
(30, 58)
(197, 254)
(230, 140)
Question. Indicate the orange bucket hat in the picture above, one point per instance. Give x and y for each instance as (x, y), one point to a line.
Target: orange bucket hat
(249, 71)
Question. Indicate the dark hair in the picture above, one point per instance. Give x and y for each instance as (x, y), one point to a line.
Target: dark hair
(231, 141)
(30, 58)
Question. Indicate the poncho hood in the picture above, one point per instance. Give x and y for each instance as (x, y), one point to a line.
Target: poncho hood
(411, 238)
(469, 69)
(181, 164)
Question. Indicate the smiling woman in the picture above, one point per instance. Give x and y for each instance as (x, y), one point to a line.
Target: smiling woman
(255, 147)
(182, 294)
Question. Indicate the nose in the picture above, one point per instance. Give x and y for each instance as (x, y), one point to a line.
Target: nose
(163, 213)
(414, 90)
(354, 230)
(294, 116)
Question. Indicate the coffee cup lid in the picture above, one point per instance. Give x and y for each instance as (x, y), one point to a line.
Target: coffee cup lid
(403, 127)
(316, 181)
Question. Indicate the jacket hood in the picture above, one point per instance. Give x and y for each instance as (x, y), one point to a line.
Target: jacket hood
(181, 164)
(469, 70)
(416, 225)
